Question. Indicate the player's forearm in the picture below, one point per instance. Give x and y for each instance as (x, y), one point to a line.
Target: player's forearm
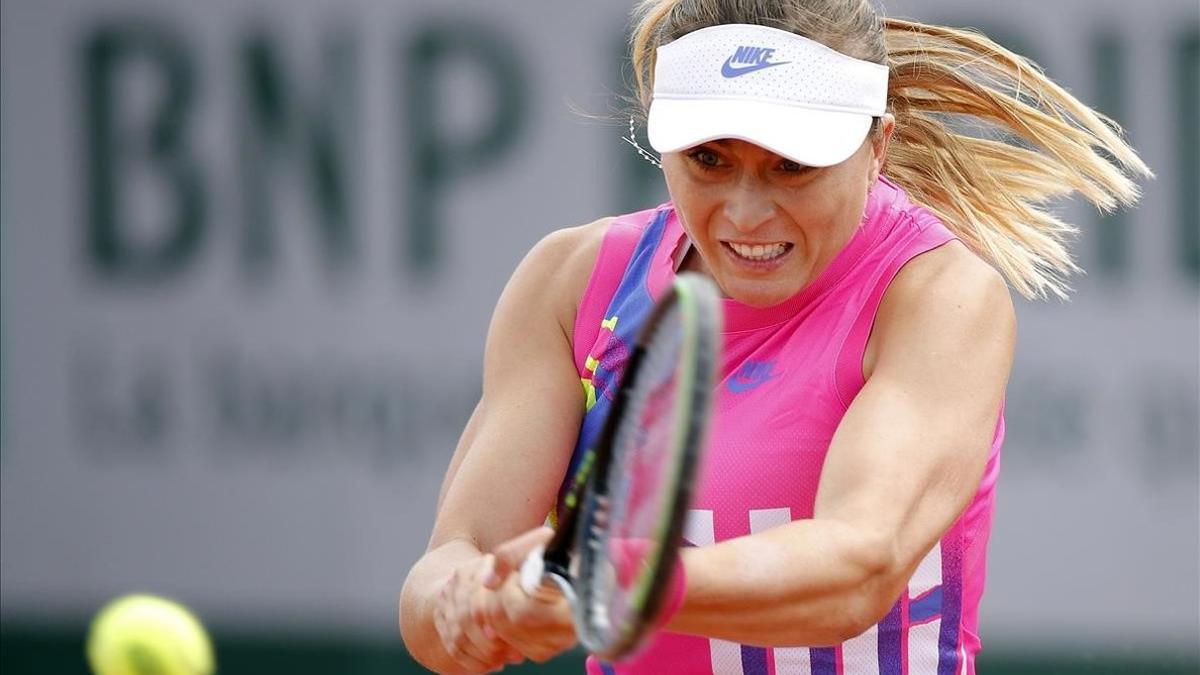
(417, 600)
(808, 583)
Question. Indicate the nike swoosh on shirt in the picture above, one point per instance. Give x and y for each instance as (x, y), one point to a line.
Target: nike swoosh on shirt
(739, 385)
(730, 70)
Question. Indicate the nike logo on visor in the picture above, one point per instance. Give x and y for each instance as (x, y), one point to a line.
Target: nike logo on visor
(747, 60)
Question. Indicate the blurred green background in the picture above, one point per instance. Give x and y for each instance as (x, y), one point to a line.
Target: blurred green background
(249, 253)
(60, 651)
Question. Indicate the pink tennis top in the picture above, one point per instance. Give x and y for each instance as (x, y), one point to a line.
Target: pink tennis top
(788, 374)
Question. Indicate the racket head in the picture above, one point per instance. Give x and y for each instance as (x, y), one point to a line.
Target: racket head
(630, 523)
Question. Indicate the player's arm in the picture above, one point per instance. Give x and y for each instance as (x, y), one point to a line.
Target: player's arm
(906, 460)
(460, 451)
(505, 472)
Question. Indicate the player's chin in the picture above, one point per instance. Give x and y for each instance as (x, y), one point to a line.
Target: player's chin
(760, 292)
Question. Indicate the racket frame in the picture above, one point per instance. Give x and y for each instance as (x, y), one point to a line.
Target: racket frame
(578, 544)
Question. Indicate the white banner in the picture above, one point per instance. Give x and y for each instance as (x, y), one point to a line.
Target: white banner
(250, 254)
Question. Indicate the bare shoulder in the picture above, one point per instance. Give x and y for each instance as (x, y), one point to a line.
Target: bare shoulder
(949, 274)
(555, 272)
(949, 300)
(571, 252)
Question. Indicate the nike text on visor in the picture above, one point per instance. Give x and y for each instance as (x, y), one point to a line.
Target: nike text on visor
(786, 93)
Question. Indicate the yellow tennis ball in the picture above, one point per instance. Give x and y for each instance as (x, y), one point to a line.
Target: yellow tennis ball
(148, 635)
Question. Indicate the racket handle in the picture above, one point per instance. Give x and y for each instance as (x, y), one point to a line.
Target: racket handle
(532, 570)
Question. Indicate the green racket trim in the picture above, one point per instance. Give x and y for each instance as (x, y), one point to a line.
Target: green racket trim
(700, 318)
(685, 382)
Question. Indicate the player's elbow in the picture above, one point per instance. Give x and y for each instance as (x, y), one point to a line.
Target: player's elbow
(853, 614)
(864, 610)
(875, 590)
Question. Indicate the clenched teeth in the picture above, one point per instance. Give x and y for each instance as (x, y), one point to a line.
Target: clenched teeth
(758, 252)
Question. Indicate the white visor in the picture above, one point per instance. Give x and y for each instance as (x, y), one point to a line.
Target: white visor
(786, 93)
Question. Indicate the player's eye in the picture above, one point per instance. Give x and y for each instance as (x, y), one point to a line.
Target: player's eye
(789, 166)
(704, 158)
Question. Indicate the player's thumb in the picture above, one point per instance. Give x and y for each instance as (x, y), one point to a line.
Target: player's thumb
(507, 557)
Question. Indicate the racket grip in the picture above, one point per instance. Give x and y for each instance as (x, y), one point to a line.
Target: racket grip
(532, 569)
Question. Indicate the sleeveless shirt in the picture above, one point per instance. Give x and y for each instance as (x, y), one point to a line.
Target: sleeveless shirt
(788, 374)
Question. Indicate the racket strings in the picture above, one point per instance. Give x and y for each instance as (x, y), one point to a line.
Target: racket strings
(626, 536)
(634, 510)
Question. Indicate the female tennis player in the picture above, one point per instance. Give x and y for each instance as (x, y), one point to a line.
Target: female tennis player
(864, 192)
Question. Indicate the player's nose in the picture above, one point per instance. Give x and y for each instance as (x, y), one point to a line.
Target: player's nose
(747, 208)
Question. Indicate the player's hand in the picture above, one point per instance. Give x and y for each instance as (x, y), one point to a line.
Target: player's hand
(461, 619)
(538, 625)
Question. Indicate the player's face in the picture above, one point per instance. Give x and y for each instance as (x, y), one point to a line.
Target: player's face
(764, 225)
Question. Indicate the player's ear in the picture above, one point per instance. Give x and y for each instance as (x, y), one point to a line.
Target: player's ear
(881, 138)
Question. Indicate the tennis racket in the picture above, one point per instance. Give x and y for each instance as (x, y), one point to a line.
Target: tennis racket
(618, 540)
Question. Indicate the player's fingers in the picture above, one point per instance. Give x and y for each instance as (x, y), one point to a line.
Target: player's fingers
(510, 554)
(456, 645)
(439, 624)
(461, 638)
(504, 618)
(474, 639)
(474, 645)
(460, 651)
(512, 656)
(481, 602)
(502, 651)
(546, 607)
(505, 652)
(443, 608)
(537, 629)
(545, 652)
(487, 565)
(487, 573)
(539, 646)
(445, 622)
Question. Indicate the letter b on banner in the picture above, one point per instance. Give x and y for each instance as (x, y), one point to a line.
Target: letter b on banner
(157, 151)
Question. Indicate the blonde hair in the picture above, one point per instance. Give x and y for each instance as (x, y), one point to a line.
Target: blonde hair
(983, 138)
